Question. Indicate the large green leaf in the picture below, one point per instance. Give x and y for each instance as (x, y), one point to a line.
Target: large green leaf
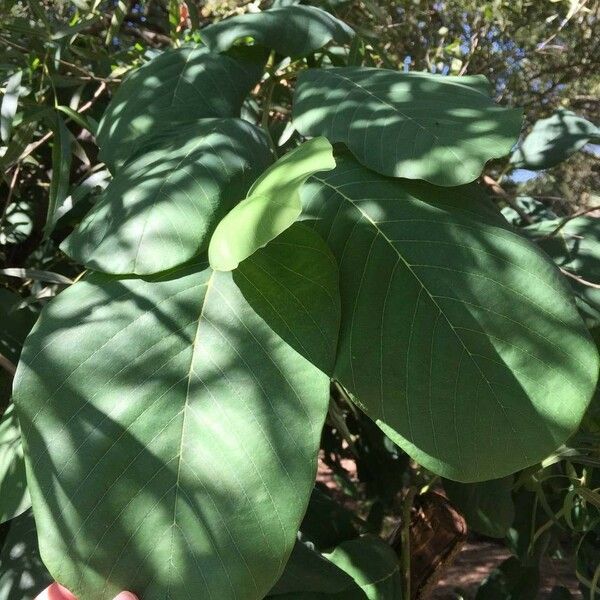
(171, 435)
(272, 205)
(14, 497)
(414, 125)
(163, 205)
(179, 84)
(553, 140)
(487, 506)
(291, 31)
(574, 246)
(458, 337)
(22, 574)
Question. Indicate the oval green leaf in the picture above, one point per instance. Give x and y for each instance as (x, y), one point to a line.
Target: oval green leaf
(171, 435)
(179, 84)
(458, 336)
(291, 31)
(553, 140)
(413, 125)
(163, 205)
(272, 205)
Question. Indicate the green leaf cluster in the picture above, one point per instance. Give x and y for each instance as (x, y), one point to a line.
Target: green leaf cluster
(172, 400)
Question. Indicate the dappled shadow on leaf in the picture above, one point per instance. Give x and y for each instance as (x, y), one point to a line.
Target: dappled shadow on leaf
(179, 85)
(414, 125)
(172, 437)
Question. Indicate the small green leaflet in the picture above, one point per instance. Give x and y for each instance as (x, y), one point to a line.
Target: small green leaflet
(458, 336)
(171, 434)
(291, 31)
(442, 129)
(180, 84)
(162, 206)
(271, 206)
(553, 140)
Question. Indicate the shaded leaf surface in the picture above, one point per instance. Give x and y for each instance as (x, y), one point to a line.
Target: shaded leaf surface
(553, 140)
(414, 125)
(362, 569)
(291, 31)
(272, 205)
(458, 336)
(178, 85)
(171, 435)
(162, 206)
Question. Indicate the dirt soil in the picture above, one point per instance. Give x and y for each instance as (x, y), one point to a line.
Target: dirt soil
(476, 561)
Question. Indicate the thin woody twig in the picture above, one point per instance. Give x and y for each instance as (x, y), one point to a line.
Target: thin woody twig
(499, 191)
(579, 213)
(581, 280)
(7, 365)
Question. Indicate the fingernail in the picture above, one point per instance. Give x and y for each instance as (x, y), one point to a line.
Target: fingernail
(126, 596)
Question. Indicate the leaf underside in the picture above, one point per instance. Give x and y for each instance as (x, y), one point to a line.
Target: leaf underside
(171, 435)
(413, 125)
(458, 336)
(273, 204)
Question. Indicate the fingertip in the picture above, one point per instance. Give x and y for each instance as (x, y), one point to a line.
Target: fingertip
(57, 592)
(126, 596)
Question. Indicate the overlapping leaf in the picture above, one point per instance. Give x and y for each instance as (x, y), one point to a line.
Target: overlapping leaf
(459, 337)
(414, 125)
(362, 569)
(163, 205)
(171, 435)
(553, 140)
(291, 31)
(178, 85)
(272, 205)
